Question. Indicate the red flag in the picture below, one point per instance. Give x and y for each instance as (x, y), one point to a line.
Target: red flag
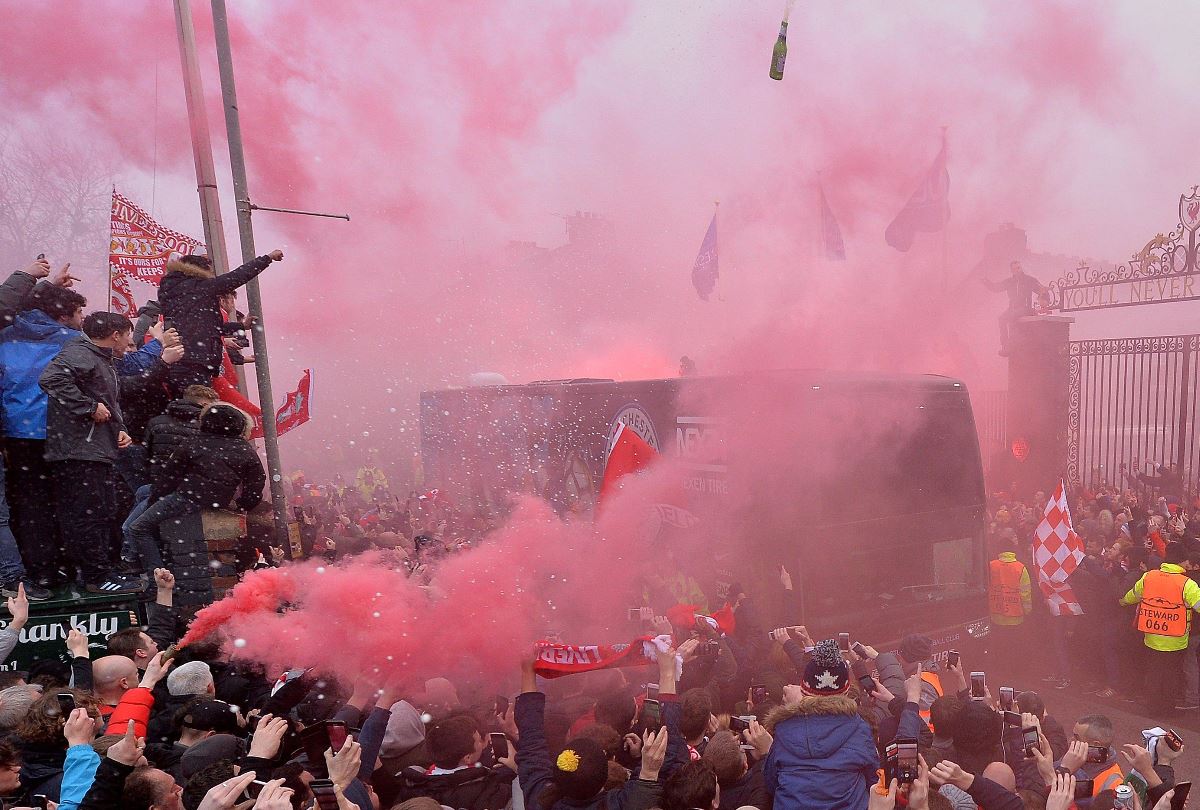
(627, 453)
(138, 249)
(295, 409)
(1057, 552)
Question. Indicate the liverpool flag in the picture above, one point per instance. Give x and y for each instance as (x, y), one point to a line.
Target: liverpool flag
(704, 271)
(832, 247)
(1057, 552)
(927, 210)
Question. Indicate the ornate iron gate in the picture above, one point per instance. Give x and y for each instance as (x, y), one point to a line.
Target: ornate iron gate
(1132, 399)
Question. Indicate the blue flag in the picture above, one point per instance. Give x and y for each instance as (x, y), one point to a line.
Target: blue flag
(704, 271)
(831, 235)
(927, 210)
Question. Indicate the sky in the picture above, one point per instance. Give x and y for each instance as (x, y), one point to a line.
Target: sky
(446, 130)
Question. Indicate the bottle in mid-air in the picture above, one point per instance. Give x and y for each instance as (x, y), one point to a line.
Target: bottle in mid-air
(779, 54)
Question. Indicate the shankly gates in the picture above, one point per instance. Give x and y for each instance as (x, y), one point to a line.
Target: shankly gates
(1130, 401)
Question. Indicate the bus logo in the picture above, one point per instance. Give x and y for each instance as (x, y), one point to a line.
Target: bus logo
(634, 417)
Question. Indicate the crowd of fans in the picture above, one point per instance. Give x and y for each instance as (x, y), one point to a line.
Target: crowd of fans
(107, 437)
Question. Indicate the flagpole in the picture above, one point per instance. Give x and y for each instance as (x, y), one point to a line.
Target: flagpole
(946, 227)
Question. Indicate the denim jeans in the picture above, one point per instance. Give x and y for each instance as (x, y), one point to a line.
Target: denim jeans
(145, 526)
(150, 557)
(11, 568)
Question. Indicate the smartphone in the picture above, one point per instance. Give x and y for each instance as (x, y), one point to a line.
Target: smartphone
(1029, 739)
(651, 714)
(779, 634)
(1084, 788)
(336, 730)
(952, 658)
(758, 693)
(66, 703)
(1173, 740)
(501, 705)
(323, 792)
(316, 742)
(634, 614)
(738, 724)
(499, 746)
(1012, 719)
(1008, 696)
(867, 683)
(1097, 753)
(40, 801)
(652, 691)
(906, 761)
(253, 789)
(41, 256)
(859, 650)
(844, 641)
(978, 686)
(1181, 794)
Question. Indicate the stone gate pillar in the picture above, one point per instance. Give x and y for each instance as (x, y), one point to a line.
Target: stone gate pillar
(1038, 402)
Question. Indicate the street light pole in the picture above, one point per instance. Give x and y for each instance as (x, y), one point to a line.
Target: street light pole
(206, 175)
(262, 369)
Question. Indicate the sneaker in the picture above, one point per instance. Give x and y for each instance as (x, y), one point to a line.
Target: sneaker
(1063, 683)
(115, 584)
(33, 591)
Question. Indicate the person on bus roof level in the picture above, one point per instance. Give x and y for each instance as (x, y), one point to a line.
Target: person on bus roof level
(1020, 288)
(1010, 600)
(1165, 600)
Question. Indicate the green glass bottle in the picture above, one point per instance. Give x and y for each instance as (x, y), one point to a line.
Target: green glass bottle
(780, 53)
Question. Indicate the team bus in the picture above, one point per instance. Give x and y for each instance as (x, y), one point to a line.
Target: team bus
(870, 494)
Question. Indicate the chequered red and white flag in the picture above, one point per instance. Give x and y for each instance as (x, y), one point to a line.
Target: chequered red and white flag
(1057, 552)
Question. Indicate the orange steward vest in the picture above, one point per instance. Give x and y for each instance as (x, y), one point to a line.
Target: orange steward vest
(1004, 589)
(1162, 610)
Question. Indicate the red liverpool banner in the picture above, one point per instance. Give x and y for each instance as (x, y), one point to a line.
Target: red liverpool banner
(294, 412)
(137, 255)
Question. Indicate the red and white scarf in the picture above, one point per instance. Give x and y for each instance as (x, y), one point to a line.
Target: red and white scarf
(556, 659)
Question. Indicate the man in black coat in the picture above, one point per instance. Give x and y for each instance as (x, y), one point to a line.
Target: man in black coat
(206, 473)
(84, 430)
(190, 297)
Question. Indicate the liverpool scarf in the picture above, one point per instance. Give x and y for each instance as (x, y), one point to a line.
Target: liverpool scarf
(556, 659)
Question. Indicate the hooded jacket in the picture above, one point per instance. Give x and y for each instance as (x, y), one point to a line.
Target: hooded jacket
(190, 299)
(76, 381)
(26, 348)
(477, 788)
(14, 294)
(211, 468)
(823, 755)
(165, 434)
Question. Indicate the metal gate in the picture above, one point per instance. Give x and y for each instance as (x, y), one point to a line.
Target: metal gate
(1132, 400)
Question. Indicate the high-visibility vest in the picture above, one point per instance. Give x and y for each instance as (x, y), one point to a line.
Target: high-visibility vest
(934, 680)
(1108, 779)
(1004, 589)
(1162, 611)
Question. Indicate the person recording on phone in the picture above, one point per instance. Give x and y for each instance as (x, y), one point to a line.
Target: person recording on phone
(457, 778)
(1091, 756)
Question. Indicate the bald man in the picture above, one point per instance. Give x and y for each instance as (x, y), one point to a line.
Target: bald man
(123, 697)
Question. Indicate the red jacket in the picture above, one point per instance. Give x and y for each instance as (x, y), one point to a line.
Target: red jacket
(135, 705)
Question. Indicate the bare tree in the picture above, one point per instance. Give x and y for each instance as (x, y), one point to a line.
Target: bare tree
(54, 199)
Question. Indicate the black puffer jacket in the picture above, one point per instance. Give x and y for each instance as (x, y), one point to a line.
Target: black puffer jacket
(80, 376)
(211, 468)
(164, 435)
(477, 788)
(190, 299)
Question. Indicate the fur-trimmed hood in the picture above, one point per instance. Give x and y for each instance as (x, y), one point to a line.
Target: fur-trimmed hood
(812, 705)
(188, 269)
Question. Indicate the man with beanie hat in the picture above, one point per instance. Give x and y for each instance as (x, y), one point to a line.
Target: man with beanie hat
(205, 473)
(916, 650)
(824, 754)
(190, 297)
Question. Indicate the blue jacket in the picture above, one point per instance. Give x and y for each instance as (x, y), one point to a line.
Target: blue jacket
(26, 348)
(79, 771)
(823, 757)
